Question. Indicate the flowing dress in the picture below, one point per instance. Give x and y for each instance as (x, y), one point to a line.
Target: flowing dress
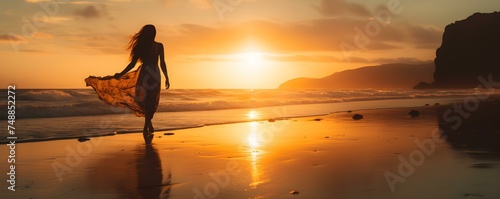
(138, 90)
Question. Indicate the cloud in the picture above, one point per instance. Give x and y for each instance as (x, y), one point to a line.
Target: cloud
(329, 59)
(271, 57)
(32, 51)
(8, 12)
(200, 4)
(341, 7)
(42, 35)
(310, 59)
(95, 43)
(36, 1)
(11, 38)
(303, 58)
(88, 12)
(312, 36)
(425, 35)
(56, 19)
(204, 4)
(405, 60)
(80, 2)
(319, 35)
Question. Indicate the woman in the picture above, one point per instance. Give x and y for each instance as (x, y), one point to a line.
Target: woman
(138, 90)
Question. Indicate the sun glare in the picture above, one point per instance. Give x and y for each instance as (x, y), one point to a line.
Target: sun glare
(254, 59)
(253, 115)
(253, 139)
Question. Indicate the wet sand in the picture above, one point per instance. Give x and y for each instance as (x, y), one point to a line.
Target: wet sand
(331, 156)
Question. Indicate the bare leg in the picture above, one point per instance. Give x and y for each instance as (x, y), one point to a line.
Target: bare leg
(151, 129)
(148, 137)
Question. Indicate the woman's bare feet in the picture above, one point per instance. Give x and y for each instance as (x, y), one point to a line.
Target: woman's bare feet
(151, 129)
(148, 137)
(148, 131)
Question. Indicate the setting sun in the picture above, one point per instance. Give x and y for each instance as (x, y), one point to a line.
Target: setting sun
(252, 58)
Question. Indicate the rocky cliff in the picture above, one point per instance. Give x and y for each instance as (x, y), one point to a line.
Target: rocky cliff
(470, 48)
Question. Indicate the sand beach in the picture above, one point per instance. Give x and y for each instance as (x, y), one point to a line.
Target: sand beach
(387, 154)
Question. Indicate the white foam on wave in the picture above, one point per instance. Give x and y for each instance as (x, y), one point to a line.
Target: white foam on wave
(84, 102)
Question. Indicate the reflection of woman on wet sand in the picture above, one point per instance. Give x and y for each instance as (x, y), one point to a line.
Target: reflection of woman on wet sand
(138, 90)
(150, 182)
(144, 180)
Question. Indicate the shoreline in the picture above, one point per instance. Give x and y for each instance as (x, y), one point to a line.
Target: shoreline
(264, 106)
(232, 122)
(333, 156)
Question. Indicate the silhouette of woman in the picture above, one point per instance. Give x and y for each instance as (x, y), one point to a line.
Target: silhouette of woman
(138, 90)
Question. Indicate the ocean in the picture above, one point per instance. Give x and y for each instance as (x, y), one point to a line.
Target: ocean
(47, 114)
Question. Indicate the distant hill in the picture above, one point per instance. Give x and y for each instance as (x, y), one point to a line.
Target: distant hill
(470, 48)
(388, 76)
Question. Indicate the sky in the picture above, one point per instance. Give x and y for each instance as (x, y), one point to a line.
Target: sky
(220, 44)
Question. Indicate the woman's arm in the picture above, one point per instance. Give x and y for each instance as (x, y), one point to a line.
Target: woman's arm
(163, 66)
(128, 68)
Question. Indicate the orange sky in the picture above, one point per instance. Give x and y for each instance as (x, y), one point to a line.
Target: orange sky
(248, 44)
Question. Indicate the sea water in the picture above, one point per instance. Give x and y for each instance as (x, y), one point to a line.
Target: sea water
(45, 114)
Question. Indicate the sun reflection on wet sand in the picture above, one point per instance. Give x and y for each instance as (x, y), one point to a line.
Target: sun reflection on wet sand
(257, 175)
(254, 144)
(253, 115)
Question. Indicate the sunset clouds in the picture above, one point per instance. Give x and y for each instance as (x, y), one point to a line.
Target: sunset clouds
(326, 35)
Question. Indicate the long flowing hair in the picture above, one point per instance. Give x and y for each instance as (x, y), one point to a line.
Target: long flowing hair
(140, 44)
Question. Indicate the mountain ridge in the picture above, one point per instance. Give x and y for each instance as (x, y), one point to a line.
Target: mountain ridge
(385, 76)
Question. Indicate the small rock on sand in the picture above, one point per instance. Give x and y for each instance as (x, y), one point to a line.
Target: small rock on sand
(271, 120)
(357, 117)
(482, 165)
(473, 194)
(83, 139)
(294, 192)
(414, 113)
(318, 119)
(168, 133)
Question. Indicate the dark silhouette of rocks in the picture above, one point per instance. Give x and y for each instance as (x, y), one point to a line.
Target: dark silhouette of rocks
(479, 131)
(357, 117)
(83, 139)
(424, 85)
(387, 76)
(470, 48)
(414, 113)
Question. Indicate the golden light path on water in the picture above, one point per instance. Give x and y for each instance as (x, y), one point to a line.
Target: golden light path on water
(253, 115)
(254, 144)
